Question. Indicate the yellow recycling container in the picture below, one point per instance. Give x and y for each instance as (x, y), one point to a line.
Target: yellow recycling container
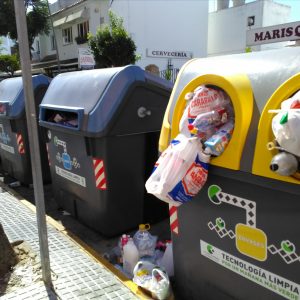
(239, 237)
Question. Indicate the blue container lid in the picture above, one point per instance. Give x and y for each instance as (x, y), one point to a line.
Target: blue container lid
(12, 102)
(93, 96)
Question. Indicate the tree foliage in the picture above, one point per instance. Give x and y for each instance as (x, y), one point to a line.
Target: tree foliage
(9, 64)
(37, 18)
(112, 46)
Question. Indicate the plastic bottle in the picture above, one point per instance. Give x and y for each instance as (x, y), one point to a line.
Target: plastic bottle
(144, 241)
(167, 260)
(124, 240)
(130, 257)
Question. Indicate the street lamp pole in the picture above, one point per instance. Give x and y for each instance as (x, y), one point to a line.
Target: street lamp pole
(33, 139)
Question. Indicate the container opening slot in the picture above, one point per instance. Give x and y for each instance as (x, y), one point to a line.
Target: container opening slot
(209, 116)
(285, 147)
(64, 118)
(4, 108)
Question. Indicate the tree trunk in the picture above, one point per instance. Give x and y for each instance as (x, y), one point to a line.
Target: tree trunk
(7, 254)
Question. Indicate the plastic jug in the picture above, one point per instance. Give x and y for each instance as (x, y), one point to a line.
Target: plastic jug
(130, 257)
(167, 260)
(144, 241)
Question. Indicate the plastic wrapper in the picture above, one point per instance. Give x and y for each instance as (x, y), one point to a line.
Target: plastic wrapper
(204, 100)
(180, 173)
(217, 143)
(153, 279)
(205, 124)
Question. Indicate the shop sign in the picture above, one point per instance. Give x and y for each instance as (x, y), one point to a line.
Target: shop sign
(274, 34)
(169, 53)
(85, 59)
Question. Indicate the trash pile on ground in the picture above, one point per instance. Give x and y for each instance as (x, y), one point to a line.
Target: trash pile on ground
(145, 260)
(285, 127)
(205, 129)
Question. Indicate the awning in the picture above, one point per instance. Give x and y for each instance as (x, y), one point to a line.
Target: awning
(82, 14)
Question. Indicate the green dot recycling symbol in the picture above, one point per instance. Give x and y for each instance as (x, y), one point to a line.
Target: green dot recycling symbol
(213, 190)
(288, 247)
(220, 223)
(210, 249)
(55, 140)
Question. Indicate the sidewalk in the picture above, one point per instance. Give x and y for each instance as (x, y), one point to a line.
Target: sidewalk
(75, 273)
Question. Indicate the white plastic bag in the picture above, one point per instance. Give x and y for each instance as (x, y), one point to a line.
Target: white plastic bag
(285, 126)
(181, 172)
(153, 279)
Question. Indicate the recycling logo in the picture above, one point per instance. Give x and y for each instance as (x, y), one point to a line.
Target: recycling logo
(250, 240)
(65, 158)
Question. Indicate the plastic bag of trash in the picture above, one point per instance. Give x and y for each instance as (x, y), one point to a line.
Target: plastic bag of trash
(180, 172)
(153, 279)
(202, 100)
(285, 126)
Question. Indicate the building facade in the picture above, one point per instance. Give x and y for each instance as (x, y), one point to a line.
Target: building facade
(167, 33)
(227, 27)
(5, 47)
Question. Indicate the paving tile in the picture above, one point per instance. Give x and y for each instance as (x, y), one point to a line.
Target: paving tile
(79, 276)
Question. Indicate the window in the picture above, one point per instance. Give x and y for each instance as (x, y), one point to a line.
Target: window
(67, 36)
(53, 44)
(83, 29)
(251, 21)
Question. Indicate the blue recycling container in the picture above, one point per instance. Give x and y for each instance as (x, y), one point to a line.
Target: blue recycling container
(102, 129)
(14, 144)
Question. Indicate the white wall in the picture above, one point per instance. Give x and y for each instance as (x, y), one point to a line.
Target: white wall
(46, 46)
(165, 25)
(98, 10)
(227, 28)
(6, 44)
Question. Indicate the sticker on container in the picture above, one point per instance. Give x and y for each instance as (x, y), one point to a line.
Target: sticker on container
(20, 143)
(7, 148)
(99, 173)
(173, 219)
(249, 240)
(273, 282)
(4, 137)
(65, 158)
(70, 176)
